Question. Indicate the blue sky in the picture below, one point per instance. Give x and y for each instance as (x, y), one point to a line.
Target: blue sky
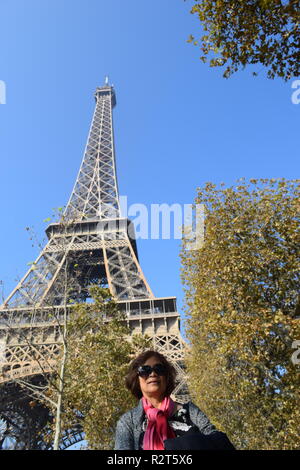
(178, 123)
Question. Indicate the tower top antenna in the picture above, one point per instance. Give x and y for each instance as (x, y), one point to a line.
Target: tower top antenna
(106, 81)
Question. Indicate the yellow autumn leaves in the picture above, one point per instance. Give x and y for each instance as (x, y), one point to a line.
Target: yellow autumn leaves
(242, 291)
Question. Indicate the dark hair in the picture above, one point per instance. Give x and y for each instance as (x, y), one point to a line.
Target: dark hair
(132, 378)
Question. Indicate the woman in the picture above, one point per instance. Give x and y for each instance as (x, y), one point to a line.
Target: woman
(157, 418)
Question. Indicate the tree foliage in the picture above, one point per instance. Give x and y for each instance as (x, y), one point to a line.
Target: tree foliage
(238, 33)
(242, 299)
(99, 350)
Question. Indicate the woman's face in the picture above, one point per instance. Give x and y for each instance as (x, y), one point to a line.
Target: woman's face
(154, 385)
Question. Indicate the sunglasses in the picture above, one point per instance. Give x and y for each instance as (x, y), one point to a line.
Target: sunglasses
(145, 371)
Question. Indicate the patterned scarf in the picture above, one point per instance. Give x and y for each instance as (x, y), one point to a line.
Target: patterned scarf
(158, 428)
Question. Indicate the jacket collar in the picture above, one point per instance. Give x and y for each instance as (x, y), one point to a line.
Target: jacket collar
(138, 414)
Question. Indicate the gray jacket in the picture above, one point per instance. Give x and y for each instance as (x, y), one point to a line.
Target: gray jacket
(129, 426)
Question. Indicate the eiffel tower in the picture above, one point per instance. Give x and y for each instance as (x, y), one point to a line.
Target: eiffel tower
(103, 245)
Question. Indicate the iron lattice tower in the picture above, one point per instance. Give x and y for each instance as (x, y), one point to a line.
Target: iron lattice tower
(102, 244)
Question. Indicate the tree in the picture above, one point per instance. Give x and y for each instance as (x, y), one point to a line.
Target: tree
(242, 296)
(69, 282)
(53, 288)
(238, 33)
(99, 349)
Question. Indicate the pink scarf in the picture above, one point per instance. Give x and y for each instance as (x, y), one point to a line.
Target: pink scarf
(158, 428)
